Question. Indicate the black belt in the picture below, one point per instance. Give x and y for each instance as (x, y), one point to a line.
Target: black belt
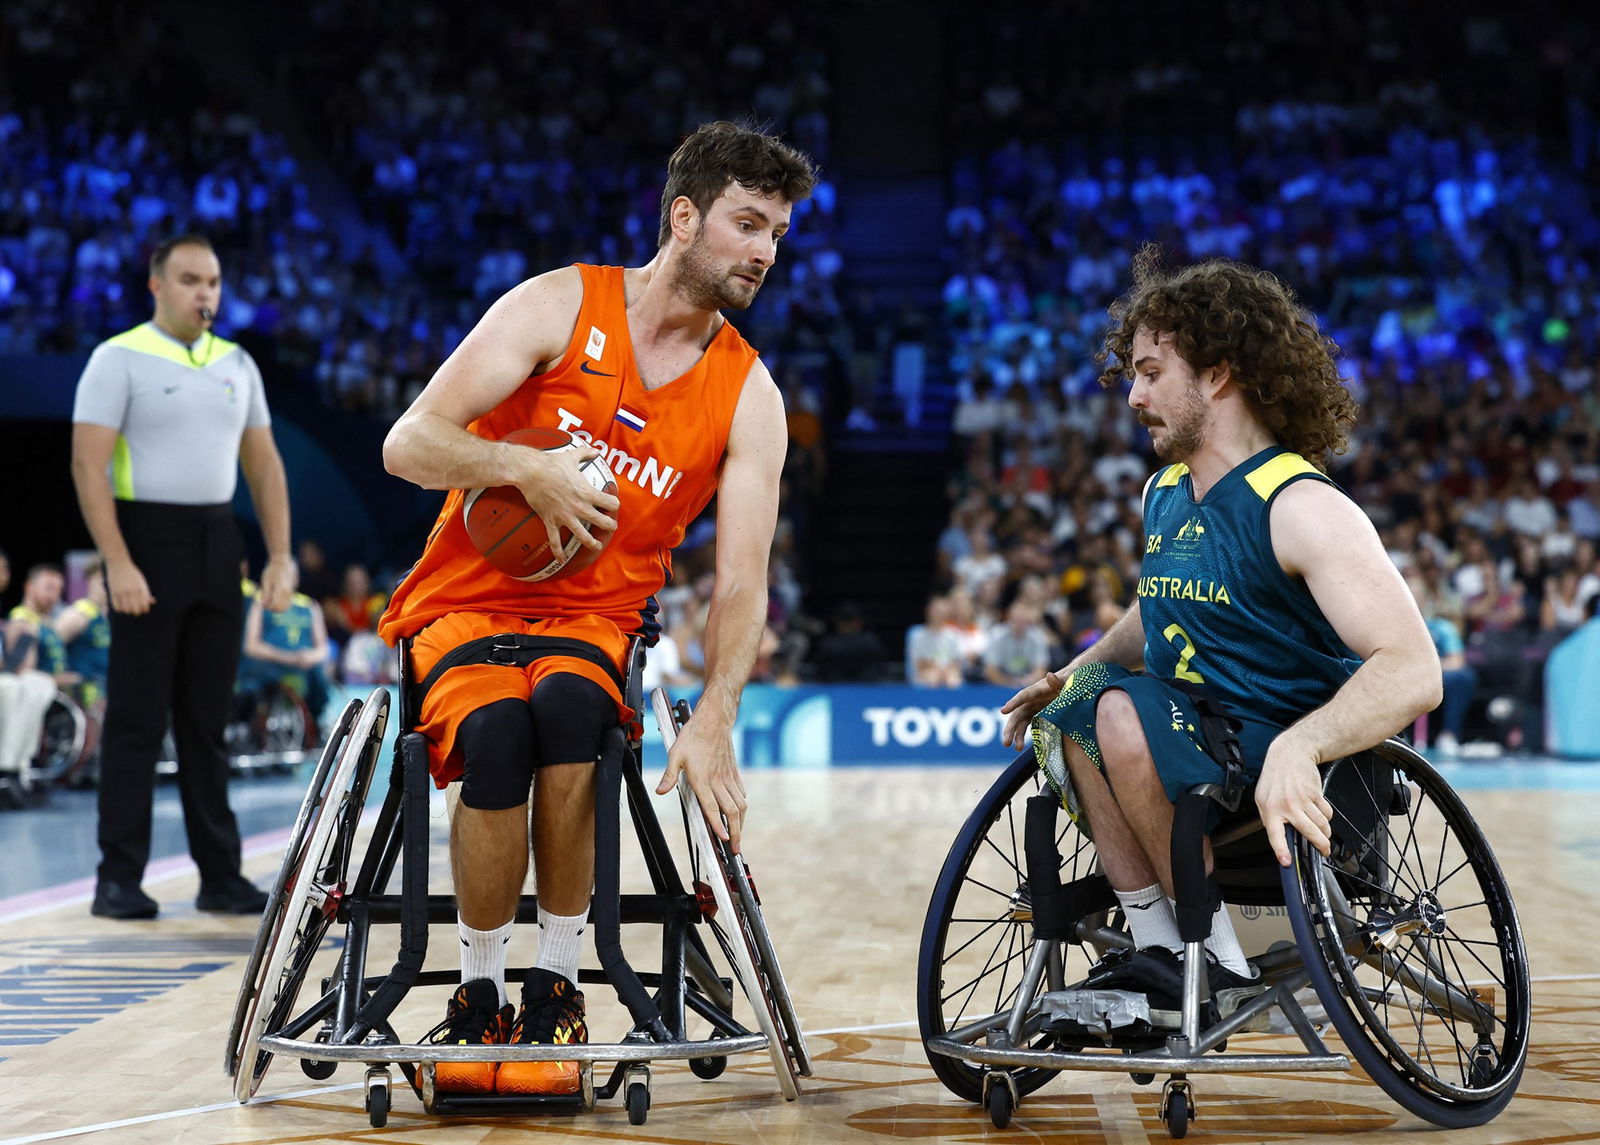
(512, 650)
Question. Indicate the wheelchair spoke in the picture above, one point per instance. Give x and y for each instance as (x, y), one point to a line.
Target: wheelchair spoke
(996, 891)
(971, 985)
(1467, 945)
(1008, 860)
(987, 928)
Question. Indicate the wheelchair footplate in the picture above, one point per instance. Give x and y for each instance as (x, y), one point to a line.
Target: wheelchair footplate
(1088, 1017)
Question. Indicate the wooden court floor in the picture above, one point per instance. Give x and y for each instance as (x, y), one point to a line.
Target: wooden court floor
(128, 1020)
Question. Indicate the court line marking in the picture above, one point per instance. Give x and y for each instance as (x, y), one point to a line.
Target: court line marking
(58, 1134)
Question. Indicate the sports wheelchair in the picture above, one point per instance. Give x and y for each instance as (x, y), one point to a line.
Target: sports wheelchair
(1405, 938)
(715, 944)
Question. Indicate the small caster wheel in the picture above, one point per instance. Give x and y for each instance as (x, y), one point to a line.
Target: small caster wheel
(378, 1105)
(317, 1071)
(1142, 1078)
(1177, 1108)
(1481, 1073)
(1001, 1105)
(638, 1103)
(707, 1068)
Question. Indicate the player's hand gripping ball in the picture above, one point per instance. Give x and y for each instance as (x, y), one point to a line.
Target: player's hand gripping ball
(513, 538)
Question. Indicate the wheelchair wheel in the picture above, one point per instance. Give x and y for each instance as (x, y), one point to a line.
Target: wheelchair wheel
(739, 926)
(1412, 941)
(283, 721)
(62, 742)
(307, 893)
(979, 929)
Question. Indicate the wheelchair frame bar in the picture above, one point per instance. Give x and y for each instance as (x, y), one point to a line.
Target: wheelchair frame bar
(1155, 1062)
(641, 1051)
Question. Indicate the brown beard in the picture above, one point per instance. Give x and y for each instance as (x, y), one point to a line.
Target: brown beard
(703, 284)
(1187, 434)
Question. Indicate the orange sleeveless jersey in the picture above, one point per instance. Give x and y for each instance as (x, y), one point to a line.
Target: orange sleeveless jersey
(664, 445)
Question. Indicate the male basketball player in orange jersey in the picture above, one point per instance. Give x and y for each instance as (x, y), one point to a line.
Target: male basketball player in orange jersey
(640, 364)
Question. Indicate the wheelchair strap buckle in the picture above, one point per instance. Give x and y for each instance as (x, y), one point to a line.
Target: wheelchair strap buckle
(1220, 731)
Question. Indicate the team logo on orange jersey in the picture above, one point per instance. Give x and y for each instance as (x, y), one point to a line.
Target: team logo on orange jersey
(646, 472)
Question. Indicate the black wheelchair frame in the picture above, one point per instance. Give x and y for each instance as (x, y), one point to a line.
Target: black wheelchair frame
(350, 1020)
(1393, 932)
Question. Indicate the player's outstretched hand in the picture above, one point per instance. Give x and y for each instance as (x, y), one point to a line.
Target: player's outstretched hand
(1020, 709)
(704, 753)
(1290, 791)
(557, 490)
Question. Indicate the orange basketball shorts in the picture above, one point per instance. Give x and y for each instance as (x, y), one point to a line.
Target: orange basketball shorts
(467, 687)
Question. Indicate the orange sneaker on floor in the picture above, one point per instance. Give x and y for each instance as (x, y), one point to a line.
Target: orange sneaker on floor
(552, 1015)
(471, 1019)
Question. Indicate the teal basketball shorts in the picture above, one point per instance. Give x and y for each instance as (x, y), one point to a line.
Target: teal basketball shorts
(1171, 728)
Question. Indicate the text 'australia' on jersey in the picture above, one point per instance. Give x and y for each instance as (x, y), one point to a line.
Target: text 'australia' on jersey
(1216, 606)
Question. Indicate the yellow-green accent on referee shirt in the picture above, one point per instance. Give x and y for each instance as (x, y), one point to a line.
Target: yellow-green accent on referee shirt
(1267, 478)
(121, 470)
(146, 339)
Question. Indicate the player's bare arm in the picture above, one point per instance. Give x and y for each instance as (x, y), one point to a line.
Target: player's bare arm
(92, 446)
(747, 512)
(1123, 643)
(523, 334)
(1322, 536)
(269, 490)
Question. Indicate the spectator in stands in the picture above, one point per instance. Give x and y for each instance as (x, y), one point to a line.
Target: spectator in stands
(1019, 650)
(933, 649)
(1460, 681)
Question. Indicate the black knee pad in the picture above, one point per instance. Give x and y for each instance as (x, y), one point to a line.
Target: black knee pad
(570, 715)
(496, 743)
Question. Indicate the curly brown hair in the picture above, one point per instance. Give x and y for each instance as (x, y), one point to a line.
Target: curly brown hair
(1223, 311)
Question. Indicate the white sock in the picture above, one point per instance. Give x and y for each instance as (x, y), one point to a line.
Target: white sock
(560, 943)
(483, 954)
(1150, 917)
(1224, 943)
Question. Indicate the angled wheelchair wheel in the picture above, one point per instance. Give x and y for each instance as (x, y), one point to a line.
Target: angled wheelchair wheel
(283, 721)
(1412, 940)
(308, 890)
(62, 741)
(739, 926)
(979, 928)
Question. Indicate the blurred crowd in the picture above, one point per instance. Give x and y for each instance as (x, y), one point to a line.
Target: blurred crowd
(1430, 198)
(1456, 268)
(436, 191)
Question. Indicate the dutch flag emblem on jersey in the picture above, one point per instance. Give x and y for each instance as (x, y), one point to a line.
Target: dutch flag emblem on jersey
(630, 419)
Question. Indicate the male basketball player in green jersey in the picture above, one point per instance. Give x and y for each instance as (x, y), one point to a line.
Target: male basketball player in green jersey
(1261, 583)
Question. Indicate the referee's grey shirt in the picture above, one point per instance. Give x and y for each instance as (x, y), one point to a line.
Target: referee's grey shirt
(180, 412)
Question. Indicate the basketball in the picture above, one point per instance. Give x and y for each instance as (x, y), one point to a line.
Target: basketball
(512, 537)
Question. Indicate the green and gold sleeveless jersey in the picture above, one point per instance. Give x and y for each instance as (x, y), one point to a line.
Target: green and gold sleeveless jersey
(1216, 606)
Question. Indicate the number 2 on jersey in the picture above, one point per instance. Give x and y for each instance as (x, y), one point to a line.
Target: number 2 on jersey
(1176, 635)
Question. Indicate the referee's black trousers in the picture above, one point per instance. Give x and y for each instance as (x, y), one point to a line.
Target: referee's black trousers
(178, 660)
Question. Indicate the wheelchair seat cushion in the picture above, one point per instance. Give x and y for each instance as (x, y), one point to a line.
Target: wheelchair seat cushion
(1172, 729)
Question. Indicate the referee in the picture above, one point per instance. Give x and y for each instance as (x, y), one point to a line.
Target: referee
(165, 415)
